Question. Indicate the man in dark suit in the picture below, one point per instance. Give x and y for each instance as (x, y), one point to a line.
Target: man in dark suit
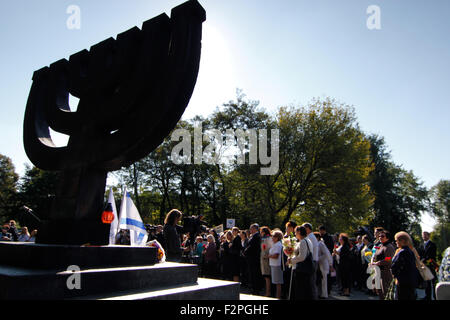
(427, 252)
(327, 239)
(252, 254)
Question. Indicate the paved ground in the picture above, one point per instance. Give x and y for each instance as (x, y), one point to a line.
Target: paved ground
(355, 295)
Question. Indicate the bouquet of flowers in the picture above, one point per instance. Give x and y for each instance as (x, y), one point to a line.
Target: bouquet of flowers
(289, 249)
(289, 246)
(368, 256)
(430, 263)
(160, 253)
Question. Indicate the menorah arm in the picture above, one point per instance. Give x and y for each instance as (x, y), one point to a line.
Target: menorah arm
(59, 116)
(38, 143)
(173, 86)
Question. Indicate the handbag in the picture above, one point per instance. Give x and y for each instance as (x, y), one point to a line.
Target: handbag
(425, 272)
(306, 266)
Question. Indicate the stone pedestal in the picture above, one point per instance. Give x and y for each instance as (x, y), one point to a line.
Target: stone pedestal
(73, 232)
(36, 271)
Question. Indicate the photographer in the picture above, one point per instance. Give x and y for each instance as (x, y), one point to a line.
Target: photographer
(13, 230)
(172, 241)
(5, 235)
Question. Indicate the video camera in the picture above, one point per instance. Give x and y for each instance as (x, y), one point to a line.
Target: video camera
(194, 226)
(151, 230)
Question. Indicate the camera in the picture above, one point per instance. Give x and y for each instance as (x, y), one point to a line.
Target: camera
(152, 231)
(194, 226)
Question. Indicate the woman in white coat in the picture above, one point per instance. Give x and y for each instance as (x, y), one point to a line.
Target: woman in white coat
(325, 265)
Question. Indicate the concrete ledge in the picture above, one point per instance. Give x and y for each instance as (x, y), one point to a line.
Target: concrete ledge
(20, 283)
(204, 289)
(44, 256)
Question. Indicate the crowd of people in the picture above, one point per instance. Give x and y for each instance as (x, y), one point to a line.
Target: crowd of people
(320, 261)
(258, 258)
(10, 233)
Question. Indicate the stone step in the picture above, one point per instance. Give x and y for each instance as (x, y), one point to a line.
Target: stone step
(203, 289)
(52, 284)
(44, 256)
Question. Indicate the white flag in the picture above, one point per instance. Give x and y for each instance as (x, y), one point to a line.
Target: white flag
(115, 223)
(131, 220)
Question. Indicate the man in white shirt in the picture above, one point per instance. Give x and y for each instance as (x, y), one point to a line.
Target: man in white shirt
(315, 244)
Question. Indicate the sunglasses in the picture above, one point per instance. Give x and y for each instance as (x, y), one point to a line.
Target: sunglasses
(382, 236)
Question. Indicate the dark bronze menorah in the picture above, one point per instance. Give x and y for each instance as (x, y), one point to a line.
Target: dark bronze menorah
(132, 91)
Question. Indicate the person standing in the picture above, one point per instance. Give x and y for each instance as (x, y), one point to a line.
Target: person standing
(383, 259)
(174, 251)
(303, 265)
(290, 232)
(210, 257)
(266, 244)
(329, 243)
(243, 260)
(365, 252)
(227, 256)
(344, 260)
(404, 268)
(24, 235)
(327, 238)
(427, 252)
(253, 255)
(33, 235)
(315, 255)
(235, 252)
(13, 230)
(275, 261)
(5, 235)
(325, 265)
(358, 263)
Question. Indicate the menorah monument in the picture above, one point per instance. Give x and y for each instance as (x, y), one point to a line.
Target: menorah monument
(132, 91)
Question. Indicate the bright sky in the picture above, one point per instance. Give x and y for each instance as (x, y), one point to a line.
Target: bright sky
(279, 52)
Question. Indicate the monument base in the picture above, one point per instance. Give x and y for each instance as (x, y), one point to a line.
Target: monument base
(60, 257)
(45, 272)
(73, 232)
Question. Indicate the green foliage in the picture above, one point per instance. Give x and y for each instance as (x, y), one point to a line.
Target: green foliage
(441, 236)
(439, 207)
(330, 173)
(400, 198)
(37, 190)
(325, 166)
(8, 188)
(323, 176)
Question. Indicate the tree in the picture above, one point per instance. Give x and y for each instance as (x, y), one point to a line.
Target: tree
(440, 195)
(37, 190)
(400, 198)
(8, 188)
(324, 166)
(439, 207)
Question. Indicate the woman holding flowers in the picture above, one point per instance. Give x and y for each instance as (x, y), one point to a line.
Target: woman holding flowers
(302, 254)
(366, 257)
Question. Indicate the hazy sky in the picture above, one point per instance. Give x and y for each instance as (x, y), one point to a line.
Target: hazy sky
(279, 52)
